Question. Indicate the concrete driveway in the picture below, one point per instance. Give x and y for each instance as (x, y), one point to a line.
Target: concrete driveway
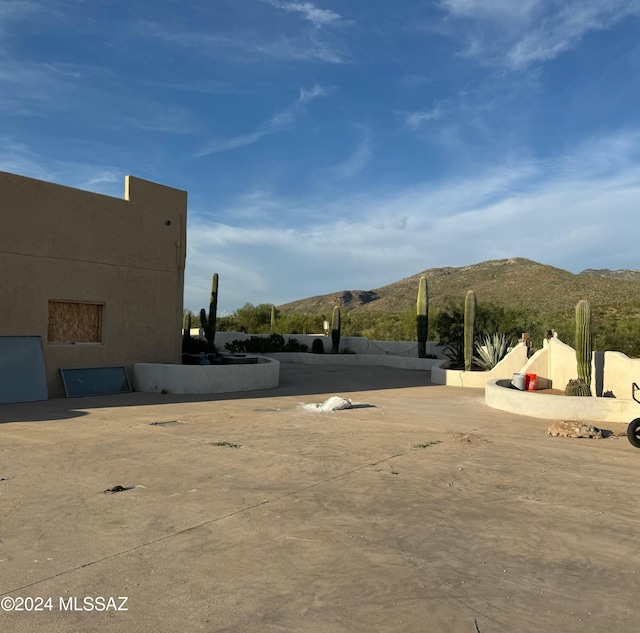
(246, 513)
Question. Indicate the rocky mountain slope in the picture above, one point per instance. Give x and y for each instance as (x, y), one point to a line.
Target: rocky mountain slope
(515, 282)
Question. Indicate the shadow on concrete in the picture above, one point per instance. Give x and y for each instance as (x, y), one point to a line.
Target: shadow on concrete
(296, 379)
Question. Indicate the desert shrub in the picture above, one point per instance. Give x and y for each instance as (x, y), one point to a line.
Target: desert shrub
(265, 345)
(317, 347)
(192, 345)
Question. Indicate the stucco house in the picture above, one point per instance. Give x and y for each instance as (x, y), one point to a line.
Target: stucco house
(99, 279)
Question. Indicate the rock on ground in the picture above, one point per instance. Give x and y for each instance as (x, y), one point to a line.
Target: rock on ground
(569, 428)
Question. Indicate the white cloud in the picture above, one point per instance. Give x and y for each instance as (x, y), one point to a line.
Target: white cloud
(518, 34)
(312, 93)
(416, 119)
(18, 158)
(490, 8)
(357, 160)
(574, 212)
(11, 10)
(224, 145)
(318, 17)
(279, 122)
(250, 46)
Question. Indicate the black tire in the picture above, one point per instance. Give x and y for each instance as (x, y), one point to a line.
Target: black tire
(633, 432)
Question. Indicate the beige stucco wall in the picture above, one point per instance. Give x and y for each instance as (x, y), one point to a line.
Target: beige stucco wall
(360, 345)
(538, 364)
(554, 366)
(619, 372)
(64, 244)
(510, 364)
(562, 363)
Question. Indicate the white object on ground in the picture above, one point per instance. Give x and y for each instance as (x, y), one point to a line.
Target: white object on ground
(335, 403)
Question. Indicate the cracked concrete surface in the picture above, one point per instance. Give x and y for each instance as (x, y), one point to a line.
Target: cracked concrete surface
(246, 513)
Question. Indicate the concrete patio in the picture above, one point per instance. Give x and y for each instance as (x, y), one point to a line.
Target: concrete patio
(316, 522)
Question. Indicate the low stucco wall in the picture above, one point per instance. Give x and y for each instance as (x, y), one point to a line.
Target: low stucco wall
(190, 379)
(562, 364)
(618, 373)
(509, 365)
(498, 395)
(538, 364)
(611, 372)
(422, 364)
(358, 344)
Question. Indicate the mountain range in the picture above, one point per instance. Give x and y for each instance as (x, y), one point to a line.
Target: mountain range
(515, 282)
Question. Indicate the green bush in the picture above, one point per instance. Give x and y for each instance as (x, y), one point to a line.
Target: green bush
(265, 345)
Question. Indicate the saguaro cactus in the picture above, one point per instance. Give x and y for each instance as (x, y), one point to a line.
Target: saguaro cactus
(469, 323)
(335, 330)
(422, 317)
(209, 322)
(186, 325)
(273, 318)
(583, 341)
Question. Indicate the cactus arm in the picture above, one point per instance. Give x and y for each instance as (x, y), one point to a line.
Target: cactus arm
(210, 331)
(335, 330)
(422, 317)
(469, 323)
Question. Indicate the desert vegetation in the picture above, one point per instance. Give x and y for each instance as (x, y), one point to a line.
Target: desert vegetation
(513, 296)
(614, 328)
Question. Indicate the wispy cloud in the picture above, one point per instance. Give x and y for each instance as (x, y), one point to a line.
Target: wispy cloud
(17, 157)
(579, 204)
(518, 34)
(491, 8)
(11, 10)
(357, 160)
(310, 12)
(279, 122)
(251, 45)
(416, 119)
(224, 145)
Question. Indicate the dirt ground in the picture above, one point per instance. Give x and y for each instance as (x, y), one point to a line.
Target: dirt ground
(420, 509)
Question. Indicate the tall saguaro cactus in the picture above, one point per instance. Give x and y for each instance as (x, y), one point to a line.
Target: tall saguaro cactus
(335, 330)
(186, 325)
(209, 322)
(273, 319)
(583, 341)
(469, 323)
(422, 317)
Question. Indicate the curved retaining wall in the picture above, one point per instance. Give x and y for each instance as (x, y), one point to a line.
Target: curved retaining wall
(184, 379)
(498, 395)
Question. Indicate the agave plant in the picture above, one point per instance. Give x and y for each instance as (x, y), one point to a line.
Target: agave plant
(492, 349)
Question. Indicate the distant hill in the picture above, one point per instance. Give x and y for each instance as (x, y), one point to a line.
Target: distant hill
(512, 282)
(613, 274)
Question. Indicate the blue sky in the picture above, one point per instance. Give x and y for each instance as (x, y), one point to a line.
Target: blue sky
(334, 145)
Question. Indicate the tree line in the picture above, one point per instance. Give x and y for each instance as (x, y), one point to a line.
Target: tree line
(615, 328)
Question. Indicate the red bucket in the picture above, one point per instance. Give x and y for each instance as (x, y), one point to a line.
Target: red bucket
(531, 382)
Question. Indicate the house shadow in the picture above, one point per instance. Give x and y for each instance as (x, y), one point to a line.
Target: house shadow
(296, 379)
